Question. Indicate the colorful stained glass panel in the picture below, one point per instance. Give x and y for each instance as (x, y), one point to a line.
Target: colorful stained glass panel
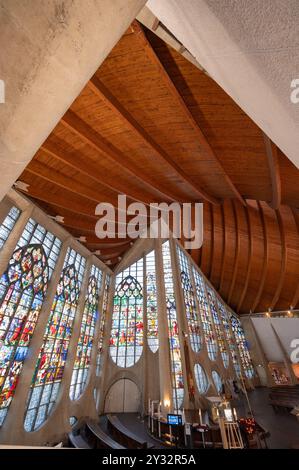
(87, 330)
(52, 356)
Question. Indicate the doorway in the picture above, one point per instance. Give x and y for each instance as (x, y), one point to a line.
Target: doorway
(123, 397)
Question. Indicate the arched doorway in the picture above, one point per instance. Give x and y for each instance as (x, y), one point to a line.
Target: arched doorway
(123, 397)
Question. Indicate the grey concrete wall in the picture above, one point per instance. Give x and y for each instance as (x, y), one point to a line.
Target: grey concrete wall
(49, 50)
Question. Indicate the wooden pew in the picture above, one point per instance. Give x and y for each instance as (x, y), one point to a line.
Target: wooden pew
(77, 441)
(98, 439)
(286, 397)
(124, 435)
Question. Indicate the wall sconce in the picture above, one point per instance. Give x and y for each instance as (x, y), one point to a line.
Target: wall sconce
(167, 403)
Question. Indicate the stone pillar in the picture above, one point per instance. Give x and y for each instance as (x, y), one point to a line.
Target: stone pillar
(57, 47)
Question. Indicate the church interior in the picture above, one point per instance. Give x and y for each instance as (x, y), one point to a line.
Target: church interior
(118, 342)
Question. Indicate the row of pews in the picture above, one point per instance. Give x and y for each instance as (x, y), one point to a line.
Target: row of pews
(284, 397)
(92, 436)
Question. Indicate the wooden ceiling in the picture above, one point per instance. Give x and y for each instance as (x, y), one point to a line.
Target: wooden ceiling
(151, 125)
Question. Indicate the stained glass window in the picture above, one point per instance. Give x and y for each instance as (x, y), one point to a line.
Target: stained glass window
(22, 290)
(217, 381)
(205, 316)
(229, 337)
(242, 346)
(173, 330)
(201, 379)
(189, 300)
(126, 339)
(52, 356)
(151, 302)
(87, 330)
(8, 224)
(102, 323)
(73, 420)
(218, 328)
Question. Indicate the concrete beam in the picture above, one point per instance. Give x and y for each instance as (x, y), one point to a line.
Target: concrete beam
(250, 48)
(49, 52)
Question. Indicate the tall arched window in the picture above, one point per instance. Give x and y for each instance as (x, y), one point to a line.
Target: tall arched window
(206, 319)
(201, 379)
(242, 346)
(173, 330)
(151, 302)
(102, 323)
(52, 356)
(126, 339)
(217, 381)
(229, 337)
(87, 330)
(8, 224)
(218, 328)
(189, 300)
(22, 290)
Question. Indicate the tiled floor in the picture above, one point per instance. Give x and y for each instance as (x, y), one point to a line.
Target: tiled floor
(283, 427)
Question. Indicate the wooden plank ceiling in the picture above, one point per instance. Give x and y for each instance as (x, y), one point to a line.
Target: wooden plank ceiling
(150, 125)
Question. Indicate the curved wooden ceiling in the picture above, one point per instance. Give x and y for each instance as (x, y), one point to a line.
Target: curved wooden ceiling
(151, 125)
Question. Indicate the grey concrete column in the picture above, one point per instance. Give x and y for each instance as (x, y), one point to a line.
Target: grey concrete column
(61, 411)
(182, 321)
(103, 379)
(57, 47)
(145, 377)
(163, 334)
(85, 406)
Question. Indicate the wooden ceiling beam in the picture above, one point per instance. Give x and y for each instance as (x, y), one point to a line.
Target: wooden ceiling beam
(138, 30)
(273, 164)
(88, 135)
(222, 271)
(237, 254)
(89, 169)
(266, 259)
(248, 273)
(283, 260)
(58, 179)
(100, 90)
(61, 201)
